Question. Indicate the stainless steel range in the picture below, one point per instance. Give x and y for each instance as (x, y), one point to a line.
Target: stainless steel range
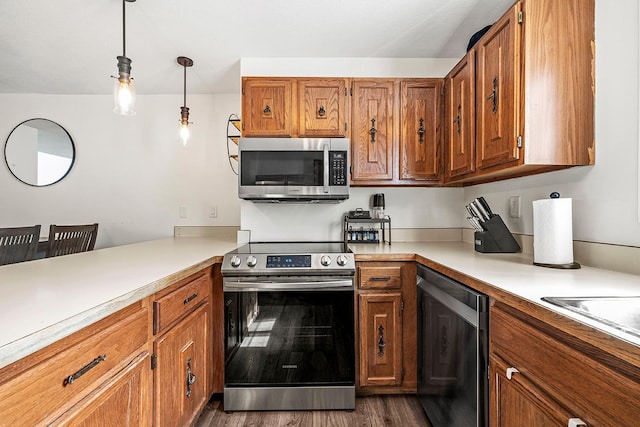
(289, 327)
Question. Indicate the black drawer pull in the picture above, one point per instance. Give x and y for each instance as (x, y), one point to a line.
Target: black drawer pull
(71, 378)
(191, 298)
(380, 279)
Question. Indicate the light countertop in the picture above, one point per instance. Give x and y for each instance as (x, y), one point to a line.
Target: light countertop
(46, 300)
(516, 275)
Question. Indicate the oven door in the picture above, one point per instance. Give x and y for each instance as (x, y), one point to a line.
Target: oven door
(299, 333)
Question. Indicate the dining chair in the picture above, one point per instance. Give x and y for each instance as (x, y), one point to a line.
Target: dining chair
(71, 239)
(18, 244)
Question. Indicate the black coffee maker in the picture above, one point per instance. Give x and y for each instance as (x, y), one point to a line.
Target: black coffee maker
(378, 205)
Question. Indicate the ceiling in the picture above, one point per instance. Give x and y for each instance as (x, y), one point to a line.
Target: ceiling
(70, 46)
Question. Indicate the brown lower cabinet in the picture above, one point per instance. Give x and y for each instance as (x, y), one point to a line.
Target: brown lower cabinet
(182, 350)
(150, 363)
(386, 327)
(122, 400)
(540, 376)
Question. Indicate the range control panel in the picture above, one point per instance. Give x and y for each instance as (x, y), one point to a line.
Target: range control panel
(287, 263)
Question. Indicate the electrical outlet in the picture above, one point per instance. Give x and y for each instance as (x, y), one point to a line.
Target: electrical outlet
(213, 212)
(514, 207)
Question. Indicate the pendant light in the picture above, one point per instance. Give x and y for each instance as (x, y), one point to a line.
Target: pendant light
(184, 110)
(124, 94)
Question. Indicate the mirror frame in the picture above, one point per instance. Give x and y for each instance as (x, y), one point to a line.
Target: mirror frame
(73, 150)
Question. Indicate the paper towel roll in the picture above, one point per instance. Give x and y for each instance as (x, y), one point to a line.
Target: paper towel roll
(552, 231)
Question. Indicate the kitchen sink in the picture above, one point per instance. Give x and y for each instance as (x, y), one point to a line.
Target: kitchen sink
(622, 313)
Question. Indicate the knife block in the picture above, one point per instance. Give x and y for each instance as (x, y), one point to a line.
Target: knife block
(496, 238)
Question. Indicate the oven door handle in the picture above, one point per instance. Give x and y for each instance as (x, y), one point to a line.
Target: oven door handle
(245, 285)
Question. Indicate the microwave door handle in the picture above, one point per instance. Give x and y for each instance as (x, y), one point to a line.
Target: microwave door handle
(326, 168)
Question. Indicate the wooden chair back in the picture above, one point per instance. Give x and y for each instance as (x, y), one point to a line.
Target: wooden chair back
(71, 239)
(18, 244)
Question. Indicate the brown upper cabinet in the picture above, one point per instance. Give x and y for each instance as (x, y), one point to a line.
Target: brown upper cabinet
(373, 130)
(534, 94)
(266, 107)
(322, 107)
(420, 137)
(395, 136)
(394, 125)
(460, 119)
(295, 107)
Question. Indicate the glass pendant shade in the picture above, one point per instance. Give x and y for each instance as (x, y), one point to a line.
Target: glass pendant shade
(185, 132)
(124, 91)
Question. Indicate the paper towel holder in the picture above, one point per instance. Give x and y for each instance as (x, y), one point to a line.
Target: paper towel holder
(568, 266)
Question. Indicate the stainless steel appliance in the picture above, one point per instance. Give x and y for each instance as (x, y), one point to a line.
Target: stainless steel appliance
(293, 169)
(453, 351)
(290, 314)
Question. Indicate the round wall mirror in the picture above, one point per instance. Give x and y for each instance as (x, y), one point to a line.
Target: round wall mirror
(39, 152)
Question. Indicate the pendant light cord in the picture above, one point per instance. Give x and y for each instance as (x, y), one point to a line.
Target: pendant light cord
(185, 86)
(124, 38)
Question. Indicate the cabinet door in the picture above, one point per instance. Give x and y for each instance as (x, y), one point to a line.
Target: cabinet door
(419, 141)
(460, 118)
(497, 91)
(266, 107)
(181, 373)
(380, 339)
(125, 400)
(517, 402)
(322, 105)
(372, 130)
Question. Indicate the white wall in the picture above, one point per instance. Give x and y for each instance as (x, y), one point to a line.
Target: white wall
(605, 196)
(131, 174)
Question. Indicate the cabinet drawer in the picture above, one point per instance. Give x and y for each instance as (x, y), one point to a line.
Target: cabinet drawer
(380, 277)
(173, 306)
(597, 393)
(39, 393)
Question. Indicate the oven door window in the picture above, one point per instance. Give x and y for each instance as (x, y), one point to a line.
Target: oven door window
(282, 168)
(294, 338)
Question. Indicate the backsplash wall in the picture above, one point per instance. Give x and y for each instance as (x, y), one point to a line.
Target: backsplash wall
(407, 207)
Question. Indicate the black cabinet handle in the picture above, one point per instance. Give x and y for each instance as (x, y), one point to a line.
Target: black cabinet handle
(191, 378)
(457, 119)
(381, 343)
(267, 109)
(71, 378)
(373, 130)
(191, 298)
(380, 279)
(321, 111)
(494, 95)
(421, 132)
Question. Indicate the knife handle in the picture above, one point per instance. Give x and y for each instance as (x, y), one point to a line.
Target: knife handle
(485, 205)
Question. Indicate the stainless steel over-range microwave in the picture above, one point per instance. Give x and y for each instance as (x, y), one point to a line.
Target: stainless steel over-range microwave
(293, 169)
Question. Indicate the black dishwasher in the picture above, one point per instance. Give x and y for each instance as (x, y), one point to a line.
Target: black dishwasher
(453, 351)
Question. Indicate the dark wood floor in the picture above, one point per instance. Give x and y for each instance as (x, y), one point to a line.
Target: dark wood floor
(370, 411)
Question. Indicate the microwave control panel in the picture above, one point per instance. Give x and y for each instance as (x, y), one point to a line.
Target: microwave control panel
(338, 166)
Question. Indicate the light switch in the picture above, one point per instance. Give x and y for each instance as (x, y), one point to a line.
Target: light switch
(183, 211)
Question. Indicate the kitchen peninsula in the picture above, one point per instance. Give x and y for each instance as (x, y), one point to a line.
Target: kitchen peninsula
(45, 301)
